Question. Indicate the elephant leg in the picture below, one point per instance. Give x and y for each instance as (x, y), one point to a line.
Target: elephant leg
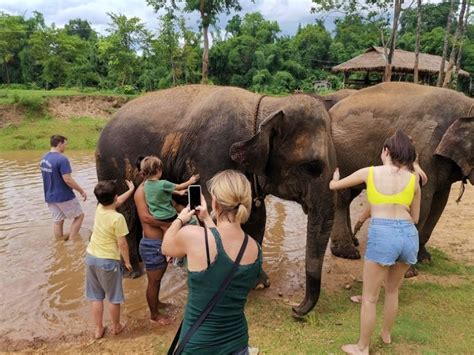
(255, 226)
(342, 244)
(440, 199)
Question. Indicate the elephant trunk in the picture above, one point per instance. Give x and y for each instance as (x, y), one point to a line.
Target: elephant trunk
(320, 221)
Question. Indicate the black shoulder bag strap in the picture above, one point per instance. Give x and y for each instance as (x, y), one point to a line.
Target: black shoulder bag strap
(173, 350)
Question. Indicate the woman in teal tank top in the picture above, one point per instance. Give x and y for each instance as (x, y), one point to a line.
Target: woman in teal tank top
(224, 331)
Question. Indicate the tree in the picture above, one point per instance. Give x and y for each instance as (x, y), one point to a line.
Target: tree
(445, 45)
(456, 44)
(13, 31)
(80, 28)
(417, 48)
(119, 49)
(397, 7)
(208, 10)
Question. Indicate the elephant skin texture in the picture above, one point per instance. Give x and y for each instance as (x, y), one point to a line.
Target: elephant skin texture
(283, 144)
(441, 123)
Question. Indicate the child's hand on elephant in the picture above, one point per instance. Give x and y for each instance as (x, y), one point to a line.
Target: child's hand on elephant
(194, 179)
(130, 185)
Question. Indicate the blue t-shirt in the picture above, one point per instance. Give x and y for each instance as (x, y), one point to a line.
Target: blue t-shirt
(53, 166)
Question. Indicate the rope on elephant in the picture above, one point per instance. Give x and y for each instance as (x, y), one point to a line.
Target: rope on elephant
(470, 110)
(258, 199)
(255, 118)
(462, 188)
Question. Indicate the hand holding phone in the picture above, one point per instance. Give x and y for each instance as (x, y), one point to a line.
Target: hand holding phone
(194, 196)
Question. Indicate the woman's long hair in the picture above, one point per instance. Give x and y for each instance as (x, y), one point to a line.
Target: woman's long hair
(233, 195)
(401, 149)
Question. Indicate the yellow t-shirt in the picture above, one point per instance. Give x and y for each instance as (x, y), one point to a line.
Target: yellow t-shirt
(108, 226)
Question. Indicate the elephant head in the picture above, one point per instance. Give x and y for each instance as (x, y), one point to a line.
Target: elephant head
(457, 144)
(293, 150)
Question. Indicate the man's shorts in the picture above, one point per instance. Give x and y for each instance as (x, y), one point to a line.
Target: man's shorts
(65, 210)
(392, 240)
(150, 252)
(103, 278)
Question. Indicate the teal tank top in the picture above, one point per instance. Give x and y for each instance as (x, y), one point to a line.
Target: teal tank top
(225, 329)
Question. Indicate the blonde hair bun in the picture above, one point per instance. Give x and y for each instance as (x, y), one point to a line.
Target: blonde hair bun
(233, 195)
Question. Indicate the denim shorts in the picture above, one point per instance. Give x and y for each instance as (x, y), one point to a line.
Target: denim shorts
(391, 241)
(150, 252)
(103, 278)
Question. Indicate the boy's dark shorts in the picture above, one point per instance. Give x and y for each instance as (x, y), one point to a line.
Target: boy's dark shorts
(103, 278)
(150, 252)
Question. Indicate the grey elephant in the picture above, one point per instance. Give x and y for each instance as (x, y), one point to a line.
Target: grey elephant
(283, 145)
(440, 121)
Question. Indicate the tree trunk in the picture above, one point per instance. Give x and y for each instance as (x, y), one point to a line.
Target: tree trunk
(456, 44)
(445, 47)
(6, 70)
(417, 48)
(393, 38)
(459, 56)
(205, 55)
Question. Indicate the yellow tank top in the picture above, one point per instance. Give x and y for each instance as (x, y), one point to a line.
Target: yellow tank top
(404, 197)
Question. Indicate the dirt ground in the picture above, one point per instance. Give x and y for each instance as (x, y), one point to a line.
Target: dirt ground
(84, 106)
(454, 235)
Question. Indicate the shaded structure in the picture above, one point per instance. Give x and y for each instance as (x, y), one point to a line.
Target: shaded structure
(373, 61)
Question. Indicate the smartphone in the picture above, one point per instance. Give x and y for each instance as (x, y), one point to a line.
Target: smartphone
(194, 196)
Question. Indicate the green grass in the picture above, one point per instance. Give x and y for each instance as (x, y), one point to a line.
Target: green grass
(11, 96)
(433, 319)
(82, 133)
(443, 265)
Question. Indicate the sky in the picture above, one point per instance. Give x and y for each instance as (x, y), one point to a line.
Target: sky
(288, 13)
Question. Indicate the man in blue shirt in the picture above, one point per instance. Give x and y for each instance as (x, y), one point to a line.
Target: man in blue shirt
(58, 187)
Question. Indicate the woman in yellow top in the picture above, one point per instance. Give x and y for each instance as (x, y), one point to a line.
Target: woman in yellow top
(394, 194)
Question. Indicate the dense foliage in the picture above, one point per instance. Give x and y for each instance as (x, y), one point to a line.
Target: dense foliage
(249, 52)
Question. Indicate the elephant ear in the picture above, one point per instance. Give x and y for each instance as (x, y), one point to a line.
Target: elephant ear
(457, 144)
(253, 154)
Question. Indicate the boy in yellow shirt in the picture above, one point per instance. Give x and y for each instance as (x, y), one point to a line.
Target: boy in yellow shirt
(107, 243)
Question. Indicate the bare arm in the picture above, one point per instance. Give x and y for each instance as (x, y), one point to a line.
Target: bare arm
(68, 179)
(142, 209)
(124, 197)
(192, 180)
(415, 205)
(419, 171)
(123, 247)
(357, 178)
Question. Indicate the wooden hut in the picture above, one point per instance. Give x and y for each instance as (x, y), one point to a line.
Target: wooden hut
(403, 62)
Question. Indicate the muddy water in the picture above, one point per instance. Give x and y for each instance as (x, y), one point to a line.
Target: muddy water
(42, 280)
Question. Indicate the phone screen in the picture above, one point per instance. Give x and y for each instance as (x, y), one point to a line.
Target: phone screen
(194, 196)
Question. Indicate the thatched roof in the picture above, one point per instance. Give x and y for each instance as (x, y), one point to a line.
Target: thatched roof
(403, 61)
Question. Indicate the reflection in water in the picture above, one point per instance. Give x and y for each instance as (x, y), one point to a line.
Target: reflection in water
(42, 281)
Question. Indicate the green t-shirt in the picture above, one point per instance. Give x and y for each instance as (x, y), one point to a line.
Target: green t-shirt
(158, 198)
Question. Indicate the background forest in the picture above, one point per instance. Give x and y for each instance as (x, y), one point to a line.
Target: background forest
(250, 52)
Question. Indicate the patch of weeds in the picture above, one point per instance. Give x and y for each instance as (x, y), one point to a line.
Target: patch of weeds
(443, 265)
(33, 104)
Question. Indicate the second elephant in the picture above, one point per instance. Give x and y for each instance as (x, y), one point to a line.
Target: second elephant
(441, 123)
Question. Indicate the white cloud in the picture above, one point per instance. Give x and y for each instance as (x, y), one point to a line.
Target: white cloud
(288, 13)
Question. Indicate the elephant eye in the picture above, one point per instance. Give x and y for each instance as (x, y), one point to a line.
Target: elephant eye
(314, 168)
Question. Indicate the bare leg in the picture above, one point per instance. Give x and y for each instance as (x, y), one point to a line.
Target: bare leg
(114, 309)
(98, 313)
(58, 230)
(374, 274)
(76, 225)
(152, 296)
(393, 282)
